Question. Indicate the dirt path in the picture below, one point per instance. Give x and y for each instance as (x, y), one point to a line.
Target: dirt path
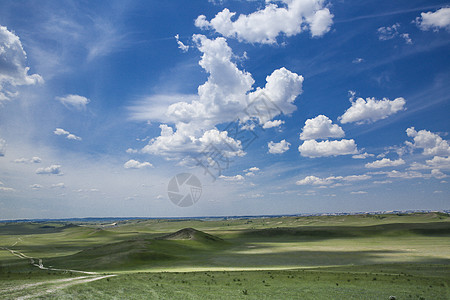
(31, 285)
(56, 284)
(78, 280)
(40, 263)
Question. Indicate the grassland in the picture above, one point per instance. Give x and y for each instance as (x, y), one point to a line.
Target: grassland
(326, 257)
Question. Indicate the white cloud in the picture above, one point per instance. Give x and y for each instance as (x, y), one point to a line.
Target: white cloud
(232, 178)
(155, 107)
(181, 46)
(51, 170)
(314, 180)
(13, 69)
(224, 97)
(278, 148)
(6, 189)
(390, 32)
(439, 162)
(177, 144)
(434, 20)
(371, 110)
(431, 143)
(251, 171)
(33, 160)
(362, 155)
(36, 186)
(252, 196)
(134, 164)
(382, 181)
(358, 60)
(385, 162)
(131, 151)
(69, 136)
(2, 147)
(271, 124)
(265, 25)
(312, 148)
(414, 174)
(75, 101)
(60, 185)
(436, 173)
(358, 193)
(356, 177)
(387, 33)
(406, 37)
(320, 127)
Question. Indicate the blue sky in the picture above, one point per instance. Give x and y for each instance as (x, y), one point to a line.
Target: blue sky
(102, 103)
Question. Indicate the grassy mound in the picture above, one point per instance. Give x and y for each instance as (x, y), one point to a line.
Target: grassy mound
(191, 234)
(185, 244)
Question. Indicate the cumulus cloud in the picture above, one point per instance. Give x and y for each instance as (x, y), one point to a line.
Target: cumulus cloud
(36, 186)
(382, 181)
(33, 160)
(312, 148)
(385, 162)
(314, 180)
(225, 97)
(6, 189)
(320, 127)
(371, 110)
(60, 185)
(435, 173)
(69, 136)
(174, 144)
(154, 107)
(181, 46)
(278, 148)
(265, 25)
(362, 155)
(356, 177)
(74, 101)
(358, 60)
(13, 69)
(131, 151)
(232, 178)
(413, 174)
(390, 32)
(251, 171)
(134, 164)
(387, 33)
(358, 193)
(51, 170)
(2, 147)
(439, 19)
(431, 143)
(439, 162)
(271, 124)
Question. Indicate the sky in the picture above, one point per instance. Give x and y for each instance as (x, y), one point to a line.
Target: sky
(276, 107)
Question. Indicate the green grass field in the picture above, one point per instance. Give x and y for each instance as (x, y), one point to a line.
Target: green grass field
(325, 257)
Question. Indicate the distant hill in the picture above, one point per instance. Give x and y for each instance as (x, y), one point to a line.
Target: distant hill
(190, 234)
(145, 252)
